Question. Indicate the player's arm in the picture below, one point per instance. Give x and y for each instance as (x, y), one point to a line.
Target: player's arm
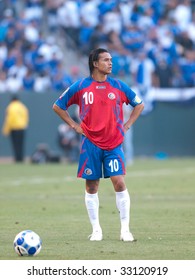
(135, 113)
(64, 115)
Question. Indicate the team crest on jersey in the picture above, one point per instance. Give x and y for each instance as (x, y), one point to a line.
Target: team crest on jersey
(111, 95)
(88, 171)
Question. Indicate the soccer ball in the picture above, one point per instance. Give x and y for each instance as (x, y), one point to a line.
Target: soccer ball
(27, 243)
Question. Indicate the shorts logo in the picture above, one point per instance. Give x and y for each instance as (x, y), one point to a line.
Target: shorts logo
(88, 171)
(111, 95)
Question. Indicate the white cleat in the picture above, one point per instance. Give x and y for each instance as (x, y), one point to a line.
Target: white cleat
(127, 236)
(96, 236)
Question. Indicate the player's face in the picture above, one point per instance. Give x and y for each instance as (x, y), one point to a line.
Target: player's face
(104, 64)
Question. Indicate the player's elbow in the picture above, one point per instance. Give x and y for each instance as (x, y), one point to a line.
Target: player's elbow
(140, 106)
(55, 108)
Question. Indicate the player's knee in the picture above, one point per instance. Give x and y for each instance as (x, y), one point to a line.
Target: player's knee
(92, 186)
(118, 183)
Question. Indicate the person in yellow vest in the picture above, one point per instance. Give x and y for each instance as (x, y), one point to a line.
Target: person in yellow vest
(15, 125)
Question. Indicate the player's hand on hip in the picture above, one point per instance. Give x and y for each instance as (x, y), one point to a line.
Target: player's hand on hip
(79, 130)
(126, 127)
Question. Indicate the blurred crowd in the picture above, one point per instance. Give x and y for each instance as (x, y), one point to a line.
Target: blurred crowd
(152, 42)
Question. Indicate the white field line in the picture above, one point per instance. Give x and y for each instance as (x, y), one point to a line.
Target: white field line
(36, 180)
(141, 173)
(161, 172)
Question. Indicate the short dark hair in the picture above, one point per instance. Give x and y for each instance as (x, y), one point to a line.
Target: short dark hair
(94, 56)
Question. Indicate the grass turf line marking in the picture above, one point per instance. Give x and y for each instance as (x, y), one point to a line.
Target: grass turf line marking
(150, 173)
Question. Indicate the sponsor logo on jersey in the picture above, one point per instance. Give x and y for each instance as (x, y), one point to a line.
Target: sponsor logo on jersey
(111, 95)
(88, 171)
(100, 87)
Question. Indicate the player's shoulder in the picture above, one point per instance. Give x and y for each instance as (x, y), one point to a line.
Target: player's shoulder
(82, 83)
(117, 83)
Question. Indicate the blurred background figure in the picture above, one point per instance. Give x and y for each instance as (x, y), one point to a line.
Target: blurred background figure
(68, 140)
(128, 140)
(15, 125)
(143, 70)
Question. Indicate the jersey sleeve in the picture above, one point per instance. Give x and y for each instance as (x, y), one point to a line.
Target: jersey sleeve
(68, 97)
(131, 97)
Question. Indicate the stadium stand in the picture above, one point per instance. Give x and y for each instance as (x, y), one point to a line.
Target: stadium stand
(42, 42)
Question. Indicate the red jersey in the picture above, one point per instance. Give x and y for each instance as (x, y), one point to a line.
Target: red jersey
(100, 109)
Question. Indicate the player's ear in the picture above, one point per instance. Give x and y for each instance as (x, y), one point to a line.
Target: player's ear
(95, 63)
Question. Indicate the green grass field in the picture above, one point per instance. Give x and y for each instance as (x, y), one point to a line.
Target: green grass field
(49, 199)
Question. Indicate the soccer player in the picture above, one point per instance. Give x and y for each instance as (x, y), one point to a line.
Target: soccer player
(100, 99)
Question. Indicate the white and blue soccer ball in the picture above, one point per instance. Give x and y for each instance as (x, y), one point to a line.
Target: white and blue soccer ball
(27, 243)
